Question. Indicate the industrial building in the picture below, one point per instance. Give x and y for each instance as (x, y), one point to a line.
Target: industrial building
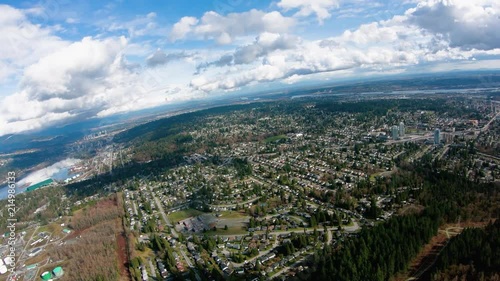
(40, 185)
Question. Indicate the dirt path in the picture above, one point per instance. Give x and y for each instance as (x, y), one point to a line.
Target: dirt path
(121, 244)
(121, 252)
(429, 254)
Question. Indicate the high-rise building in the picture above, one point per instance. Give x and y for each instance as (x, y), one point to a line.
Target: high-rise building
(437, 136)
(402, 130)
(395, 132)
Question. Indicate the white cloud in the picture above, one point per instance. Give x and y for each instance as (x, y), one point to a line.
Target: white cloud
(159, 57)
(85, 79)
(182, 28)
(141, 25)
(463, 23)
(264, 44)
(23, 43)
(389, 45)
(320, 8)
(60, 81)
(224, 29)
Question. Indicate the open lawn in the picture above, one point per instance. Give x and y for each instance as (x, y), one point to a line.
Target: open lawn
(236, 230)
(176, 217)
(274, 138)
(232, 215)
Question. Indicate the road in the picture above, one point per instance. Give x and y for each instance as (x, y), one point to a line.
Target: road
(353, 228)
(190, 264)
(488, 156)
(487, 126)
(286, 268)
(174, 233)
(139, 225)
(152, 273)
(234, 205)
(163, 214)
(443, 153)
(427, 136)
(275, 244)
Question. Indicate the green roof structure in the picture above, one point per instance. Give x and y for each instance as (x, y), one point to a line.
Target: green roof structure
(46, 276)
(58, 271)
(39, 185)
(31, 266)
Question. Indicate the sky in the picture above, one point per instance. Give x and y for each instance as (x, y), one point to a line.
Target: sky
(62, 61)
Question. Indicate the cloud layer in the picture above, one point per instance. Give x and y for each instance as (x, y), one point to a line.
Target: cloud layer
(58, 80)
(432, 31)
(320, 8)
(224, 29)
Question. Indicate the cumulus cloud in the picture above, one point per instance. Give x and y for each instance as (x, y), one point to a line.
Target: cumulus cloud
(61, 80)
(182, 28)
(84, 79)
(320, 8)
(160, 58)
(264, 44)
(464, 24)
(224, 29)
(385, 45)
(23, 43)
(141, 25)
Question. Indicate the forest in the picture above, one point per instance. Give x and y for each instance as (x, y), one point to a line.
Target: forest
(50, 199)
(473, 255)
(380, 252)
(377, 253)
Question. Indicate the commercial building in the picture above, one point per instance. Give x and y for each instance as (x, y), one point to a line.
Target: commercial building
(402, 129)
(395, 132)
(437, 136)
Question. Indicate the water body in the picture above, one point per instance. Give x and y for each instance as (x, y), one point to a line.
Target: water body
(58, 171)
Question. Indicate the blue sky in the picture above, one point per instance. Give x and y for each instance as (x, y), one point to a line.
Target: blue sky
(66, 60)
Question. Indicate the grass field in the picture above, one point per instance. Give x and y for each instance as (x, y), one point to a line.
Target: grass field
(274, 138)
(176, 217)
(232, 215)
(230, 231)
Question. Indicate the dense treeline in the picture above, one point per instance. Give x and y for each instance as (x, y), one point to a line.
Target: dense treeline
(377, 253)
(474, 255)
(381, 107)
(455, 197)
(242, 167)
(95, 185)
(173, 125)
(48, 199)
(380, 252)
